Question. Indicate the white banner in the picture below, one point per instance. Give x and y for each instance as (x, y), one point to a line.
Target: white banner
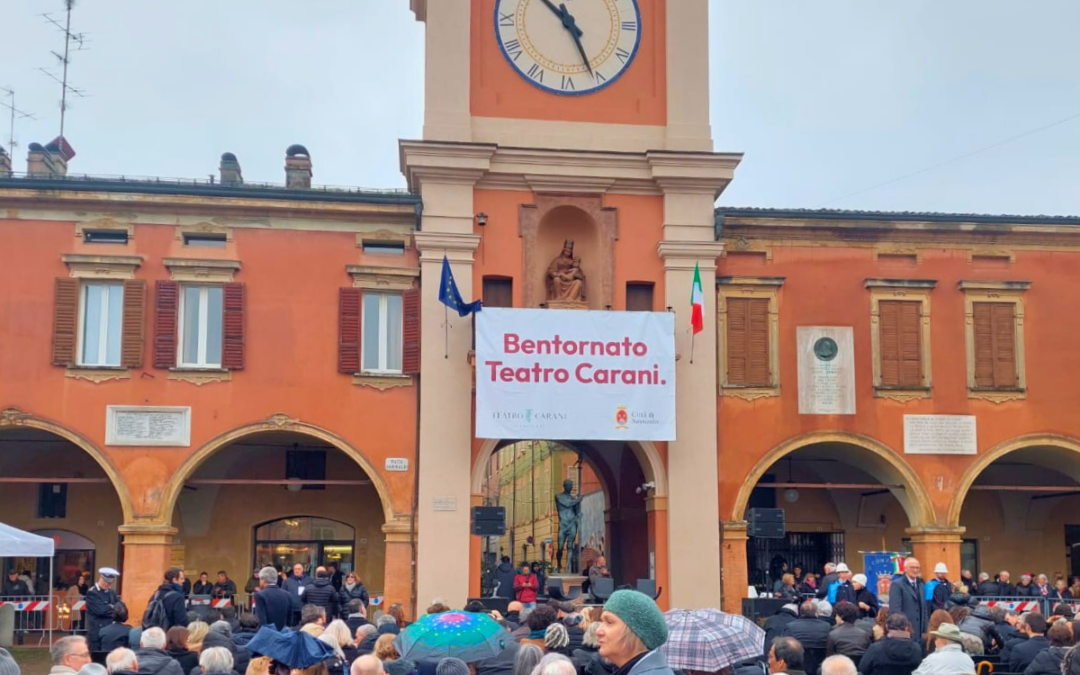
(575, 375)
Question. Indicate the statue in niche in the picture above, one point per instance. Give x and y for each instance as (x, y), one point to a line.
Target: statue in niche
(565, 280)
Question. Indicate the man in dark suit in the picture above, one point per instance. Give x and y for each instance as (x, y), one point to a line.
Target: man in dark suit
(907, 596)
(1023, 653)
(273, 605)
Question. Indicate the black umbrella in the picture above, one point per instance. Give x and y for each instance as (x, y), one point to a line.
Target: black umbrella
(293, 649)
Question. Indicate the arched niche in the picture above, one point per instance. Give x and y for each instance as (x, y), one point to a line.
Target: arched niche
(554, 218)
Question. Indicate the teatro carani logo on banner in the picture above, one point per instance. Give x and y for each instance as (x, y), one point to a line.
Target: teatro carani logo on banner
(575, 375)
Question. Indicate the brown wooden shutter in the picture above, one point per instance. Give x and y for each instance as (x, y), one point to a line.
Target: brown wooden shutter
(748, 342)
(900, 343)
(349, 318)
(166, 304)
(410, 331)
(131, 341)
(65, 321)
(758, 343)
(639, 297)
(1004, 319)
(233, 301)
(995, 345)
(498, 292)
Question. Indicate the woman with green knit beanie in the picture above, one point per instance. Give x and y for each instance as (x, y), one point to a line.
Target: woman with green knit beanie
(631, 629)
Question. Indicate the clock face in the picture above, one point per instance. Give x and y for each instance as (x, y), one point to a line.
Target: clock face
(568, 47)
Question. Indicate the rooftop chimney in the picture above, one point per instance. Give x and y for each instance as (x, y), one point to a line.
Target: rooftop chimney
(49, 161)
(297, 168)
(5, 163)
(230, 170)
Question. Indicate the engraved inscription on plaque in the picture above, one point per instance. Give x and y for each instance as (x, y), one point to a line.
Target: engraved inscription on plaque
(168, 426)
(940, 435)
(826, 370)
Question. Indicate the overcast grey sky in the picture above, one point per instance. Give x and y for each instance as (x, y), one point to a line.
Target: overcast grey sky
(826, 97)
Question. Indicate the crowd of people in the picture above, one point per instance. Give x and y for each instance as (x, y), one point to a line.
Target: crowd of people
(620, 638)
(933, 627)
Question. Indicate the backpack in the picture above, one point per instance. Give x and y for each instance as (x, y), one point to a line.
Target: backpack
(155, 615)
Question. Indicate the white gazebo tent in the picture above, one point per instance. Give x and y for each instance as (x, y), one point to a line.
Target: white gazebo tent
(15, 542)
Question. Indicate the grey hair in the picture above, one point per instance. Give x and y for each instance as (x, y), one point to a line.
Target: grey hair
(526, 659)
(385, 620)
(268, 574)
(215, 660)
(152, 638)
(366, 630)
(367, 664)
(119, 659)
(590, 639)
(555, 664)
(223, 627)
(64, 646)
(94, 669)
(838, 664)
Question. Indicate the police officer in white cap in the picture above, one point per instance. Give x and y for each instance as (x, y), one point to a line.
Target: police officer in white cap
(939, 588)
(101, 601)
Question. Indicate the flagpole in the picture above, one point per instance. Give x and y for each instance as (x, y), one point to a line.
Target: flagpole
(692, 336)
(446, 331)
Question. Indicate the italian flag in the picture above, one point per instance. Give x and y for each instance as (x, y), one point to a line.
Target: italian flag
(697, 303)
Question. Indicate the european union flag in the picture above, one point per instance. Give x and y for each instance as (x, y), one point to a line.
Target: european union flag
(449, 295)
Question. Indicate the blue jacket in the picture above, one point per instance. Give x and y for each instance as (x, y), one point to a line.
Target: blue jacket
(273, 607)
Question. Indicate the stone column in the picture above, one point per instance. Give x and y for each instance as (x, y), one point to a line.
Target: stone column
(693, 477)
(147, 554)
(445, 460)
(656, 508)
(398, 574)
(736, 574)
(932, 545)
(447, 66)
(688, 76)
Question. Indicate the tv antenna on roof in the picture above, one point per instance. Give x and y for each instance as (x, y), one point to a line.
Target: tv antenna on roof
(76, 41)
(15, 114)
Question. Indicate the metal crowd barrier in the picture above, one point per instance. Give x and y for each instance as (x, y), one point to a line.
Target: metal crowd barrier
(1044, 605)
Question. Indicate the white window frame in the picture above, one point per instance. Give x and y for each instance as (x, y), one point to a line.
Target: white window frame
(383, 334)
(103, 330)
(204, 316)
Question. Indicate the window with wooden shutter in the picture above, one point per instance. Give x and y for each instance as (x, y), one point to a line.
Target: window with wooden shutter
(498, 292)
(349, 330)
(65, 321)
(234, 299)
(166, 305)
(639, 297)
(410, 332)
(900, 339)
(748, 342)
(994, 329)
(131, 345)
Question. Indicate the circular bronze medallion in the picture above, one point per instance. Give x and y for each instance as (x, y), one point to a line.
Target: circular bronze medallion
(826, 349)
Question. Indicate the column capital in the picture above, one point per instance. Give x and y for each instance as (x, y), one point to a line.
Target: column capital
(399, 531)
(734, 531)
(656, 503)
(136, 534)
(457, 247)
(935, 535)
(685, 255)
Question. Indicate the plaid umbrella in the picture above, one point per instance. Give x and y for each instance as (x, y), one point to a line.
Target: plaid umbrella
(469, 636)
(708, 639)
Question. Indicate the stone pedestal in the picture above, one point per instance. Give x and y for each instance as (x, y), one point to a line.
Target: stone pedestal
(147, 554)
(567, 304)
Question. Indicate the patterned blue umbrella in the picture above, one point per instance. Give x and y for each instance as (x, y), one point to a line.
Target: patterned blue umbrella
(709, 640)
(469, 636)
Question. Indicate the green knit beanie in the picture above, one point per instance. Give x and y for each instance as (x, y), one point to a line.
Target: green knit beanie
(641, 615)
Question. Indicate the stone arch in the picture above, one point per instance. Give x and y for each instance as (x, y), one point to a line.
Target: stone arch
(16, 419)
(872, 456)
(644, 451)
(1064, 447)
(278, 422)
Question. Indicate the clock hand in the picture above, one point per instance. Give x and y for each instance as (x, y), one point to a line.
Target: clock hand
(572, 27)
(564, 17)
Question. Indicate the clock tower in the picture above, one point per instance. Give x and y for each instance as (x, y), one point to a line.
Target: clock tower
(568, 119)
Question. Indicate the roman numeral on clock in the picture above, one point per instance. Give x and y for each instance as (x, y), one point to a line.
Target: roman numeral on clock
(506, 19)
(623, 55)
(599, 76)
(568, 83)
(536, 72)
(513, 49)
(630, 26)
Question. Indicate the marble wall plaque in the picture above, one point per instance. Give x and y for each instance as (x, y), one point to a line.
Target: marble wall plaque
(940, 435)
(165, 426)
(826, 370)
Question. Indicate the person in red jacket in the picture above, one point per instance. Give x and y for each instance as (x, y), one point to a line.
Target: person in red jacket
(525, 587)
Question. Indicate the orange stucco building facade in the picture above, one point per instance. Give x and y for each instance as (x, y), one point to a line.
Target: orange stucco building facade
(329, 409)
